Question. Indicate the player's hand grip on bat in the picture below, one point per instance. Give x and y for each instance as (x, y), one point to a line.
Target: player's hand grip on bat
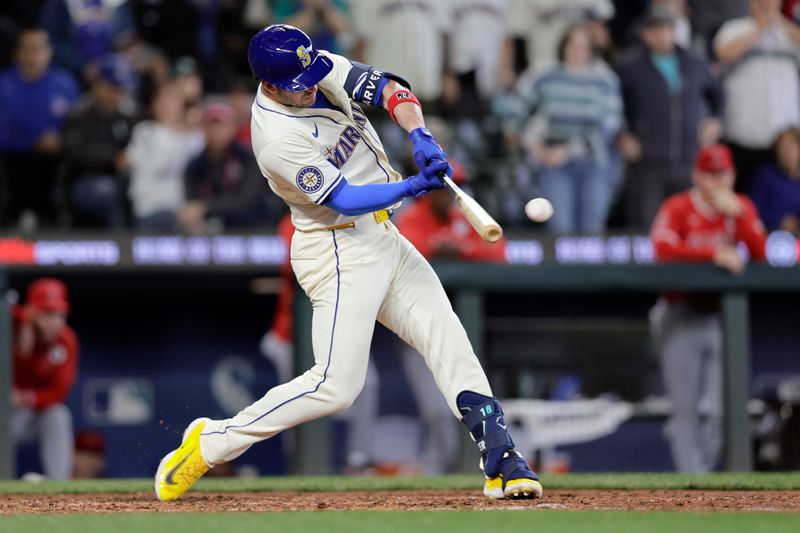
(427, 149)
(354, 200)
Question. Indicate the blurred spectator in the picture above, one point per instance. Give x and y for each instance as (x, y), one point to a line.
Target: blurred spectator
(83, 31)
(45, 365)
(667, 94)
(760, 56)
(325, 21)
(708, 15)
(479, 59)
(95, 136)
(241, 99)
(542, 23)
(90, 455)
(14, 16)
(159, 150)
(776, 188)
(277, 344)
(438, 229)
(406, 37)
(577, 112)
(791, 8)
(223, 183)
(34, 101)
(703, 224)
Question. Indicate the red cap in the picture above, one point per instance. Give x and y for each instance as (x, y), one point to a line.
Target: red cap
(219, 111)
(90, 441)
(48, 294)
(714, 158)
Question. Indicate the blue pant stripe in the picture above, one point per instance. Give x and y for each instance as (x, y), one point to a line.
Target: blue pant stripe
(330, 352)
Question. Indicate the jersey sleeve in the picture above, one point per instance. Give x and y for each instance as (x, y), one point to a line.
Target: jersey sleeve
(297, 168)
(750, 230)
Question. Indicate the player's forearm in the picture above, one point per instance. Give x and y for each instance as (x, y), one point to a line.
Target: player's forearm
(408, 115)
(354, 200)
(681, 252)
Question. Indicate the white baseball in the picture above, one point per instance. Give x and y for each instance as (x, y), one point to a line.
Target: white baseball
(539, 209)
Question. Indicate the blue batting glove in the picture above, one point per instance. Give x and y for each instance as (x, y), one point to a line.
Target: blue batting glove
(426, 148)
(428, 179)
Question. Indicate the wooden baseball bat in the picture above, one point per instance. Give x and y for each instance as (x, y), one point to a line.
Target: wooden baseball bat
(482, 221)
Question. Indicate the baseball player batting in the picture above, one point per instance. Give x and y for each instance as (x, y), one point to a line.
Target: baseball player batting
(321, 155)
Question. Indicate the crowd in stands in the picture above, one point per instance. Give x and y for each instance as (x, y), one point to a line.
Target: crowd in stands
(135, 113)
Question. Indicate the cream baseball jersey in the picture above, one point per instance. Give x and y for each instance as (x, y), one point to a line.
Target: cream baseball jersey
(305, 152)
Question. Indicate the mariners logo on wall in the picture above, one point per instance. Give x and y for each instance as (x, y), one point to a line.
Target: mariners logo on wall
(304, 55)
(310, 179)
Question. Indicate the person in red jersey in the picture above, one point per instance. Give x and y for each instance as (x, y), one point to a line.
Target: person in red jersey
(704, 223)
(276, 345)
(438, 230)
(45, 364)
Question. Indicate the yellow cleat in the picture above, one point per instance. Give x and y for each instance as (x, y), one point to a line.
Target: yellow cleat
(517, 489)
(181, 468)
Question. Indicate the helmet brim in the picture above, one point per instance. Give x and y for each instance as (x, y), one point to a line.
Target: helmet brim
(309, 77)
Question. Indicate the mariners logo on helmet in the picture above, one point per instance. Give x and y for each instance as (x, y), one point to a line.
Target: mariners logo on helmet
(305, 57)
(310, 179)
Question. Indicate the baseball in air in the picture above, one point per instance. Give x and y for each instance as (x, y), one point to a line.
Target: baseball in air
(539, 209)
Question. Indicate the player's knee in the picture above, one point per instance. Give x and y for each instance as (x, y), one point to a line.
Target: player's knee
(342, 399)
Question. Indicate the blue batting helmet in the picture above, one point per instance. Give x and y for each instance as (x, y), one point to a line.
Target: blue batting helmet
(285, 57)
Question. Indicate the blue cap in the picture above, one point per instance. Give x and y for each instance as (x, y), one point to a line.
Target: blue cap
(116, 70)
(285, 57)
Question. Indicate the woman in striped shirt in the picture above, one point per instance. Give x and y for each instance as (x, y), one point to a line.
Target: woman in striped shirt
(576, 111)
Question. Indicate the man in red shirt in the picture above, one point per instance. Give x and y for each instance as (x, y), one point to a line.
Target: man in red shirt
(436, 228)
(45, 364)
(702, 224)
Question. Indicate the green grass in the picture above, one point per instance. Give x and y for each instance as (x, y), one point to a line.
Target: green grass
(390, 522)
(721, 481)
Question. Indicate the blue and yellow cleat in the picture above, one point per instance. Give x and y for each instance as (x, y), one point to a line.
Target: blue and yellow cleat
(181, 468)
(522, 484)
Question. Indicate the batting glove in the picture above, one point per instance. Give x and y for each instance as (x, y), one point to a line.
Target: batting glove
(428, 179)
(426, 148)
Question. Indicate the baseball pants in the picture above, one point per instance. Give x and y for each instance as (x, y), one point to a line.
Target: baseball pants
(354, 277)
(690, 346)
(52, 426)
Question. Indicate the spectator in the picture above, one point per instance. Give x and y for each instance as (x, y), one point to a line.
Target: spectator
(325, 21)
(438, 230)
(542, 23)
(479, 61)
(95, 136)
(759, 55)
(409, 39)
(666, 92)
(240, 97)
(703, 224)
(159, 150)
(223, 183)
(776, 188)
(90, 455)
(577, 113)
(45, 365)
(30, 135)
(84, 31)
